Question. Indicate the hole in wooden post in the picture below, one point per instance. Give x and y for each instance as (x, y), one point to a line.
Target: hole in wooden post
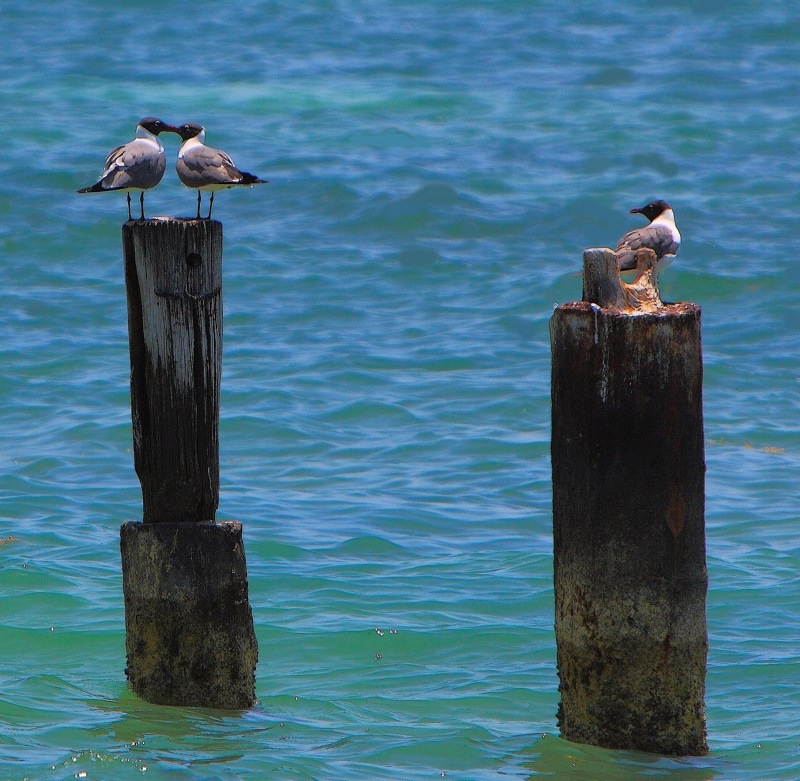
(193, 259)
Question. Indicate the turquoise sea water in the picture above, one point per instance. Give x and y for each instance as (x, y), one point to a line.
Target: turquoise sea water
(436, 169)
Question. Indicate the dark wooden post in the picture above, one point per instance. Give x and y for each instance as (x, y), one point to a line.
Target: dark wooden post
(628, 514)
(189, 627)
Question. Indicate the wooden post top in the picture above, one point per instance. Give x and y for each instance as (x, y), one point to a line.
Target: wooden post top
(173, 274)
(603, 286)
(183, 256)
(165, 218)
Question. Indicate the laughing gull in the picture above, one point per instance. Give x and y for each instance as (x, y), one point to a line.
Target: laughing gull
(137, 165)
(661, 236)
(207, 169)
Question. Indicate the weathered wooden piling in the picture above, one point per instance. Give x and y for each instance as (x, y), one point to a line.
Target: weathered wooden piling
(189, 628)
(628, 514)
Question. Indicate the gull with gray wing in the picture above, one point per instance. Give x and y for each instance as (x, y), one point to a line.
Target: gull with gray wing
(137, 165)
(207, 169)
(661, 236)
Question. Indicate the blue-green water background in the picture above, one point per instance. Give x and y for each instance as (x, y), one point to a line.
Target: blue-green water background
(436, 169)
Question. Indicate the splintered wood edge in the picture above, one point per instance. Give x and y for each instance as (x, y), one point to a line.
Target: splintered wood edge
(679, 309)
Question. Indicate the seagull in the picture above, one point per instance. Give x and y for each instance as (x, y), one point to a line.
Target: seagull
(207, 169)
(661, 236)
(137, 165)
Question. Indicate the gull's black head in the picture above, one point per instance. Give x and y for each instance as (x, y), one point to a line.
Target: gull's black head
(190, 130)
(652, 210)
(156, 126)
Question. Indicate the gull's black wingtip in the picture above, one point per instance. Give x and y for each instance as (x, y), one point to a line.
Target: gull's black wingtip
(248, 178)
(95, 188)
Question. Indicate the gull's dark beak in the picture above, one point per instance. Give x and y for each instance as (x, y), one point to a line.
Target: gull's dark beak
(635, 211)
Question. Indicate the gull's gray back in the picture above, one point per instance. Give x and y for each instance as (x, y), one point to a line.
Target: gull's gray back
(134, 165)
(655, 237)
(202, 166)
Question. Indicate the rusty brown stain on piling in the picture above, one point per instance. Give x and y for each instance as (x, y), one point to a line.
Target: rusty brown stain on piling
(666, 650)
(676, 508)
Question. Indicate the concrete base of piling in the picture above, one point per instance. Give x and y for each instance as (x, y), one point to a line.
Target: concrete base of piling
(632, 662)
(189, 628)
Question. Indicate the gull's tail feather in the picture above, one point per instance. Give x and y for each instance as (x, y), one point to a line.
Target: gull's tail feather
(626, 260)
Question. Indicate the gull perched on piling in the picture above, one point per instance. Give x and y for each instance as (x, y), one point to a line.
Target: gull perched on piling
(661, 236)
(137, 165)
(207, 169)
